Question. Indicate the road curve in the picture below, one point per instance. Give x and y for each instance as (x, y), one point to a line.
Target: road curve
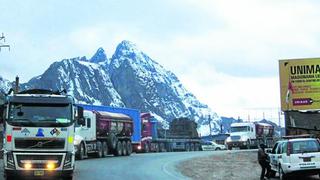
(137, 166)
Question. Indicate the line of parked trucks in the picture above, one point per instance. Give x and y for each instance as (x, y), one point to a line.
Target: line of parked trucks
(44, 131)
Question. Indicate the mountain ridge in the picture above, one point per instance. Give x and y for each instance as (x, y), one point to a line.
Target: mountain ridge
(130, 78)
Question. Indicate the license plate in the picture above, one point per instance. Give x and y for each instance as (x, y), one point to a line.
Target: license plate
(39, 173)
(307, 159)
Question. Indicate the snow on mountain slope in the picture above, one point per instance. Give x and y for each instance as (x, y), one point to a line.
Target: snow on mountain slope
(129, 79)
(87, 82)
(144, 84)
(5, 85)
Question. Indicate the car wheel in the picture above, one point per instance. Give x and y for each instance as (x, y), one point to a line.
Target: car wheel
(272, 174)
(218, 149)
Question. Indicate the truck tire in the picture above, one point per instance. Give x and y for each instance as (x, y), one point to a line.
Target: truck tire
(197, 147)
(99, 149)
(82, 151)
(118, 150)
(162, 147)
(112, 141)
(105, 149)
(146, 147)
(124, 148)
(191, 147)
(129, 148)
(187, 147)
(157, 148)
(248, 144)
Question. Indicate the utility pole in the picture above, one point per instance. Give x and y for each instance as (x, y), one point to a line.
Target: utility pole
(209, 119)
(3, 38)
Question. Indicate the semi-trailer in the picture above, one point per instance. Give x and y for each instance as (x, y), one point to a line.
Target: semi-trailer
(182, 135)
(106, 130)
(248, 135)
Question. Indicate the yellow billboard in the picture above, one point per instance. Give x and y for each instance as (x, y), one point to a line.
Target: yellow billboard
(300, 84)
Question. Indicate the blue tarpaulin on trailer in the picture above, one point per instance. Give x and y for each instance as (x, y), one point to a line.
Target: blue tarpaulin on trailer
(133, 113)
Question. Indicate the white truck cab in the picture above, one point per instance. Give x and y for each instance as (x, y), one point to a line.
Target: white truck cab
(242, 135)
(38, 134)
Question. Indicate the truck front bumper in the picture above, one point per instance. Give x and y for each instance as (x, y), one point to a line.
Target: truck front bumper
(26, 174)
(237, 144)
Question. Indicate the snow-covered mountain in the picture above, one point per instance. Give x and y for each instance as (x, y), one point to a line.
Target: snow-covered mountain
(5, 85)
(129, 79)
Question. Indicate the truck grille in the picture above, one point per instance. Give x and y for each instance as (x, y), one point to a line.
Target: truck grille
(39, 161)
(22, 143)
(234, 138)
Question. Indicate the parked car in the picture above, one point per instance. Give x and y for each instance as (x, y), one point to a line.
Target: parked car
(211, 145)
(295, 156)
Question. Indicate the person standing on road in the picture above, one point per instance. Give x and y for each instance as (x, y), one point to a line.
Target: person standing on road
(263, 161)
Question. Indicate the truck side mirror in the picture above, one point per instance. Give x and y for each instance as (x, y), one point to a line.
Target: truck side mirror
(80, 117)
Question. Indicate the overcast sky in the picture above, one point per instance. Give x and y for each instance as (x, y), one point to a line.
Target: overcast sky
(225, 52)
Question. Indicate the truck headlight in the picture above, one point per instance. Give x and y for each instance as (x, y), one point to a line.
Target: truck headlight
(76, 141)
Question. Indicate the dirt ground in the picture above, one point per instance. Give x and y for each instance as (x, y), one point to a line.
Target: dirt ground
(226, 165)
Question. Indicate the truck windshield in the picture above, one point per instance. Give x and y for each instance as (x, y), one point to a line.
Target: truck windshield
(240, 129)
(36, 115)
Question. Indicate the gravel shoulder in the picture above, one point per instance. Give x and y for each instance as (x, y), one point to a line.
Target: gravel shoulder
(223, 165)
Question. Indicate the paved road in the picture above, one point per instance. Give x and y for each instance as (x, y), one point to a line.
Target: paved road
(137, 166)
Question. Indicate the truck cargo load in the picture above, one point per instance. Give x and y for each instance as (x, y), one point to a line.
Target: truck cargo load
(105, 131)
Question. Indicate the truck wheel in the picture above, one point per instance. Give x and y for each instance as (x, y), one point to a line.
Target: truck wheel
(162, 147)
(187, 147)
(146, 147)
(99, 150)
(124, 148)
(129, 148)
(112, 141)
(196, 147)
(118, 150)
(157, 148)
(104, 149)
(192, 147)
(248, 144)
(82, 152)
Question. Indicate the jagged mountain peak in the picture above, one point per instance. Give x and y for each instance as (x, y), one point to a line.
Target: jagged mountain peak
(129, 79)
(99, 56)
